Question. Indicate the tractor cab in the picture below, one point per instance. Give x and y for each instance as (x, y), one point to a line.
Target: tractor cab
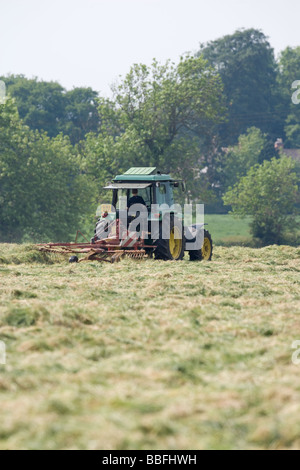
(152, 186)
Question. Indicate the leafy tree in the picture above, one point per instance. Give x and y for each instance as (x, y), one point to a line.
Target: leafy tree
(12, 134)
(47, 106)
(43, 192)
(289, 72)
(99, 160)
(40, 104)
(81, 113)
(161, 116)
(227, 165)
(246, 64)
(268, 193)
(250, 150)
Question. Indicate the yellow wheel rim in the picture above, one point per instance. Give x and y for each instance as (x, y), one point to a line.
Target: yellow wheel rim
(206, 249)
(175, 243)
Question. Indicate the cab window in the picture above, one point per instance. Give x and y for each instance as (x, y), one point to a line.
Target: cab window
(164, 195)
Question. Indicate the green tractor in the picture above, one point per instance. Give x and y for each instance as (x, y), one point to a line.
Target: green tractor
(154, 190)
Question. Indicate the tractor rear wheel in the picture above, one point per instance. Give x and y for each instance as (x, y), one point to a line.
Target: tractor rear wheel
(205, 253)
(172, 248)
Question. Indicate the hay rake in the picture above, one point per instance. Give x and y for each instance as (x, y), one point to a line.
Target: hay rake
(109, 250)
(91, 253)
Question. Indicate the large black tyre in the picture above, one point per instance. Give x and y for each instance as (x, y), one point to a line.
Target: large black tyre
(206, 252)
(173, 248)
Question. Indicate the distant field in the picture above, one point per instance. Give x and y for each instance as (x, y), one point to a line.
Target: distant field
(228, 230)
(150, 355)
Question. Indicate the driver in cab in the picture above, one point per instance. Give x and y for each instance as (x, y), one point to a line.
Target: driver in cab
(135, 199)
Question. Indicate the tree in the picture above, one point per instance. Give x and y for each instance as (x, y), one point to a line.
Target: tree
(289, 73)
(47, 106)
(161, 116)
(250, 150)
(40, 104)
(226, 166)
(81, 113)
(268, 193)
(43, 192)
(99, 162)
(246, 64)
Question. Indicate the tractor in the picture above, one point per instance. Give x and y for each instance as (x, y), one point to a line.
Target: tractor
(158, 232)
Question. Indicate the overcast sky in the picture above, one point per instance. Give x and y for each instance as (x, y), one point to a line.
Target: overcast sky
(92, 42)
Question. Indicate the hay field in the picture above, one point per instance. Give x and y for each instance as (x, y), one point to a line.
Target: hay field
(150, 355)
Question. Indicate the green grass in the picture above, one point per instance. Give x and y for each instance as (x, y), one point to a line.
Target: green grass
(229, 230)
(150, 355)
(20, 254)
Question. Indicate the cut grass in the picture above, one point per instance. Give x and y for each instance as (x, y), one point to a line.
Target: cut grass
(20, 254)
(151, 355)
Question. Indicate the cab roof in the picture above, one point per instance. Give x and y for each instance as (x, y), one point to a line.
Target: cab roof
(143, 174)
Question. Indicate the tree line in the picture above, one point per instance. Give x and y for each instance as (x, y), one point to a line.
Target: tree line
(211, 119)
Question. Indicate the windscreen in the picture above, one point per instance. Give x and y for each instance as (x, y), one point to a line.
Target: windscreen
(123, 196)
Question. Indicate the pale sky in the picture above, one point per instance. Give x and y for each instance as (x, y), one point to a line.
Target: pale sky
(92, 42)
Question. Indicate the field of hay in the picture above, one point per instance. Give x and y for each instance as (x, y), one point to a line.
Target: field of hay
(148, 354)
